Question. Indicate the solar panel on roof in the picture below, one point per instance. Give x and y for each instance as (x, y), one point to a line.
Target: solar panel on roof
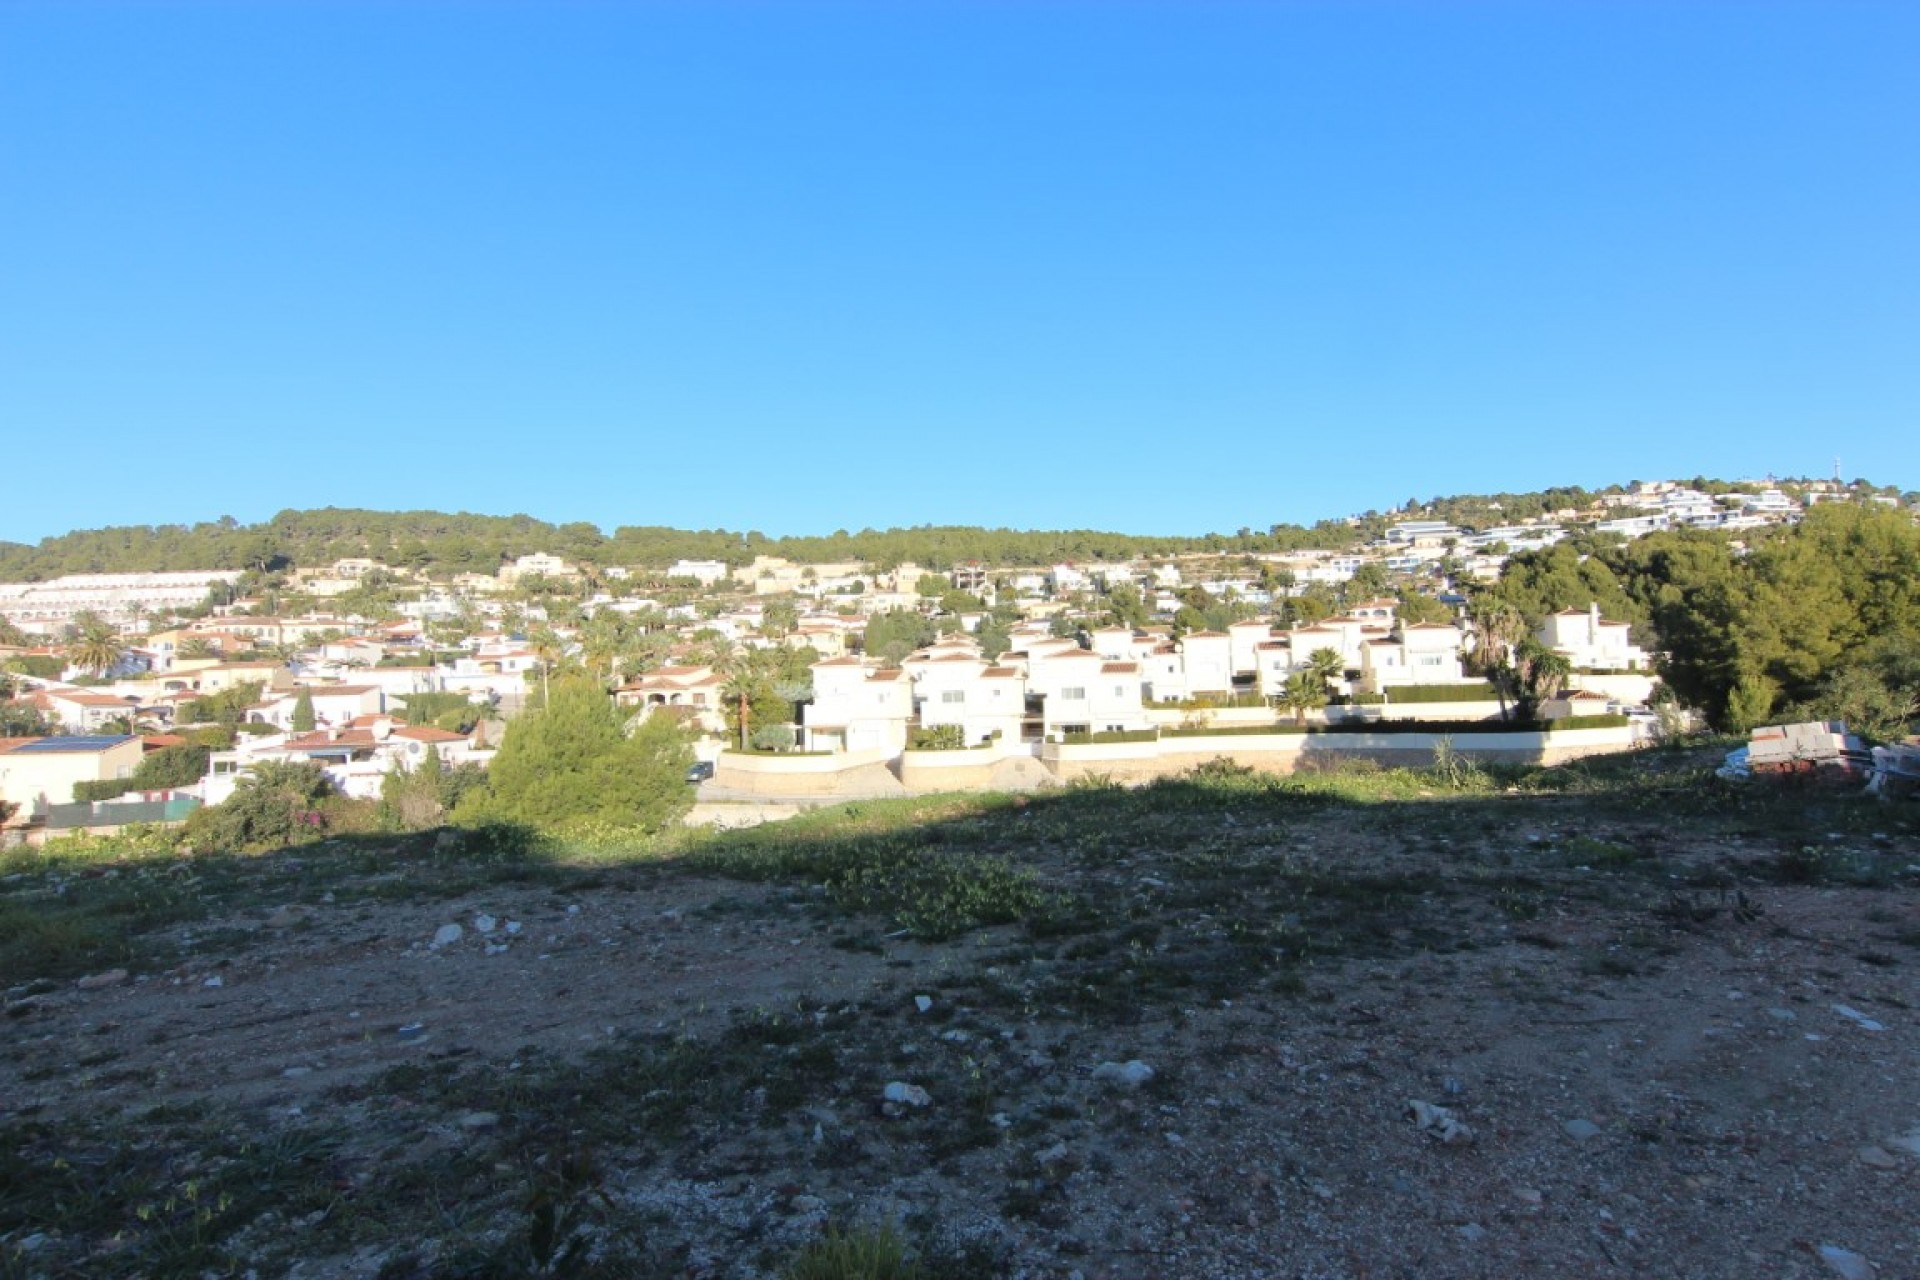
(92, 742)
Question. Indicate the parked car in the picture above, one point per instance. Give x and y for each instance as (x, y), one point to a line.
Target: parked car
(701, 771)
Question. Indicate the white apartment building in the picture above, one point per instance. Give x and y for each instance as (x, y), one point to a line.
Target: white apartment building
(123, 599)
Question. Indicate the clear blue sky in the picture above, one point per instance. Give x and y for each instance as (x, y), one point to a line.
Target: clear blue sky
(1152, 267)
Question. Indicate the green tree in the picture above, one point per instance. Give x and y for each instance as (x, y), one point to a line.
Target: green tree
(1749, 703)
(302, 719)
(1369, 581)
(1312, 605)
(573, 759)
(228, 707)
(1126, 607)
(454, 712)
(413, 798)
(892, 635)
(1870, 704)
(1416, 607)
(24, 720)
(278, 803)
(177, 766)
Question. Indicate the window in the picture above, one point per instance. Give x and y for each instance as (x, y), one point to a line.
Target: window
(1077, 693)
(953, 695)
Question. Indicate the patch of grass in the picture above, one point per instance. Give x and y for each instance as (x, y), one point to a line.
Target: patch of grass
(930, 890)
(862, 1253)
(1601, 855)
(172, 1203)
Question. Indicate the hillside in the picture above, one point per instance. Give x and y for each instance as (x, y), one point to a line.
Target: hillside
(445, 543)
(1676, 1017)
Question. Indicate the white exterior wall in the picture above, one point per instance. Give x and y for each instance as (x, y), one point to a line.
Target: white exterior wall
(1245, 639)
(1208, 660)
(1163, 677)
(35, 779)
(855, 711)
(1277, 660)
(1114, 702)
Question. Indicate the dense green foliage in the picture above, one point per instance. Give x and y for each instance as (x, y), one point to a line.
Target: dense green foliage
(892, 635)
(228, 707)
(161, 770)
(573, 760)
(1408, 693)
(418, 797)
(278, 803)
(444, 544)
(1819, 617)
(454, 712)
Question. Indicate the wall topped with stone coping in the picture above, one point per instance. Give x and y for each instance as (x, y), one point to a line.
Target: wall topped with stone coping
(868, 773)
(773, 774)
(1284, 752)
(969, 769)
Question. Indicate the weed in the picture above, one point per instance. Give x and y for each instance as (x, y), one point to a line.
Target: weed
(1601, 855)
(864, 1253)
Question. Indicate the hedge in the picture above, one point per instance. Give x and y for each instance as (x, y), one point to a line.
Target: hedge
(1404, 694)
(1442, 727)
(1110, 735)
(1589, 722)
(1212, 702)
(1235, 730)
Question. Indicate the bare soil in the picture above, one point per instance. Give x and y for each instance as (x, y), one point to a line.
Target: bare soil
(1662, 1072)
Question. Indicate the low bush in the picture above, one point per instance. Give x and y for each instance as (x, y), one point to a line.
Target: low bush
(1406, 694)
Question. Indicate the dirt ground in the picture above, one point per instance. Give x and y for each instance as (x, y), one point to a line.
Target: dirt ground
(1635, 1083)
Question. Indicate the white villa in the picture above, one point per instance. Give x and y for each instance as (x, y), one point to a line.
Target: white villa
(1591, 643)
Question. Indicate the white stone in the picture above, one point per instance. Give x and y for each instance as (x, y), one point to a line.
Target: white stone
(923, 1003)
(1846, 1263)
(446, 935)
(1439, 1122)
(1132, 1073)
(483, 923)
(1858, 1018)
(911, 1094)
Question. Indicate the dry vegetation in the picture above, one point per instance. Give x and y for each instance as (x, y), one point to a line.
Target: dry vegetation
(1650, 996)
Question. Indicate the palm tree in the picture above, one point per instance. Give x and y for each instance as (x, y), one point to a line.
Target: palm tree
(1541, 674)
(602, 642)
(1304, 691)
(1497, 628)
(95, 645)
(1326, 666)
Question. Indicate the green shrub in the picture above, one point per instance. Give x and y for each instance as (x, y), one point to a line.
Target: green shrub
(939, 737)
(1236, 730)
(1589, 722)
(1110, 735)
(1405, 694)
(868, 1253)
